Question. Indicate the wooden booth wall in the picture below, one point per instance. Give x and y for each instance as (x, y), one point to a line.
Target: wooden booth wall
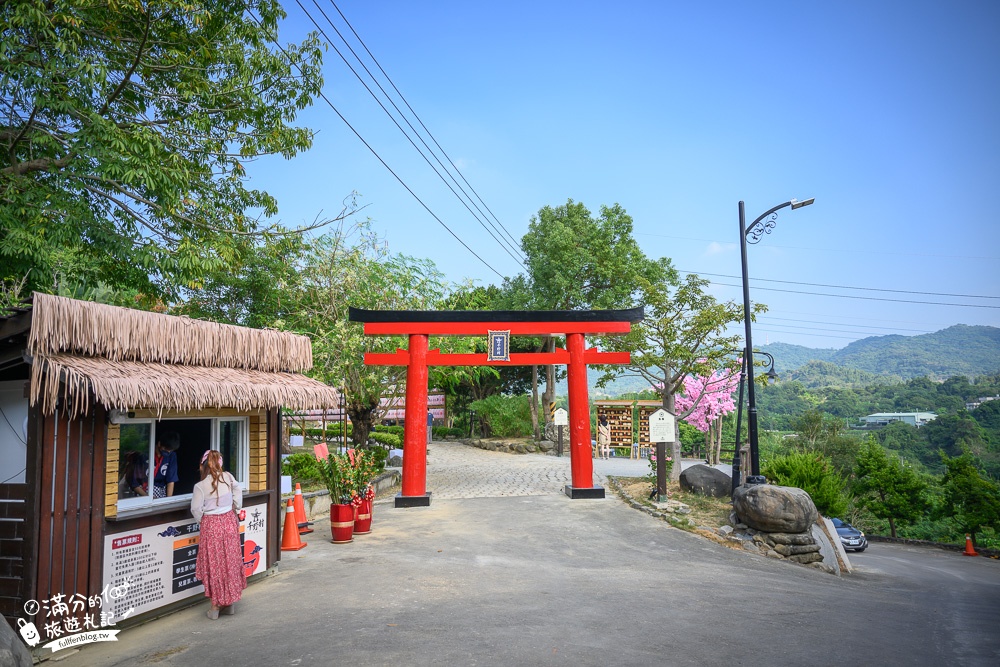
(69, 504)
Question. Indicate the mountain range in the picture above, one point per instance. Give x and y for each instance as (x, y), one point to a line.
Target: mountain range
(958, 350)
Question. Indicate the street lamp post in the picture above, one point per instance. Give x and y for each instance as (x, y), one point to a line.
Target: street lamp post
(771, 378)
(753, 234)
(343, 415)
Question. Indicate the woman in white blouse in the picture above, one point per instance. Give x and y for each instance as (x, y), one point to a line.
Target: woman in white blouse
(220, 555)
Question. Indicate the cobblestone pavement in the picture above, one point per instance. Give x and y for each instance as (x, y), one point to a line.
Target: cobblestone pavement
(455, 470)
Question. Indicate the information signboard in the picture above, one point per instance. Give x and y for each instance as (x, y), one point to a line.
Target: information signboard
(560, 417)
(155, 565)
(661, 426)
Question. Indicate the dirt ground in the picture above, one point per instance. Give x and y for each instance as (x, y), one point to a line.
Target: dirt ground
(708, 512)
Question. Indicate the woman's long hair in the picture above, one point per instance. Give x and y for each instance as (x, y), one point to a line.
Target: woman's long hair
(213, 466)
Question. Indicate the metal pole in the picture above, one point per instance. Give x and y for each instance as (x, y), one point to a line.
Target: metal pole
(739, 426)
(752, 399)
(661, 472)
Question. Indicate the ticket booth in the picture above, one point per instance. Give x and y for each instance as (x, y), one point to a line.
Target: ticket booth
(87, 391)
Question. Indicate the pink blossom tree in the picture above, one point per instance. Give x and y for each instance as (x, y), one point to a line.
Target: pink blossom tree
(703, 404)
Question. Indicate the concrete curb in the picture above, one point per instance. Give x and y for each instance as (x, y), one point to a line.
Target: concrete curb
(989, 553)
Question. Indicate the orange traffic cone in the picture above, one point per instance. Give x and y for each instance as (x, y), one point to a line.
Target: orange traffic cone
(969, 551)
(290, 540)
(300, 512)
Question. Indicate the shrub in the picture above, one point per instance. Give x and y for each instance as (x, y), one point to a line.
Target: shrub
(379, 456)
(302, 467)
(315, 432)
(505, 416)
(390, 439)
(668, 466)
(813, 473)
(442, 432)
(395, 430)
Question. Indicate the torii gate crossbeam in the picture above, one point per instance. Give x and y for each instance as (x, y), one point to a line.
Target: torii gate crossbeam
(420, 325)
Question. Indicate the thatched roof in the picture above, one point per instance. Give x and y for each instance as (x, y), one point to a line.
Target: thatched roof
(60, 325)
(124, 359)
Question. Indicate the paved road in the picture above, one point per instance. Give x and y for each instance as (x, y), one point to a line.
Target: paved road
(516, 573)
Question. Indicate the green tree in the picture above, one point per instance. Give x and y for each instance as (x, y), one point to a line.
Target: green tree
(125, 131)
(684, 332)
(953, 434)
(970, 498)
(902, 438)
(887, 487)
(813, 473)
(353, 267)
(257, 290)
(576, 260)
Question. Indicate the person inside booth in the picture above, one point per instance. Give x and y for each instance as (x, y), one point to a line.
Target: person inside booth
(134, 481)
(165, 476)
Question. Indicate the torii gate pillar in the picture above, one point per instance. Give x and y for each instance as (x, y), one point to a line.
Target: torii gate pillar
(414, 483)
(580, 451)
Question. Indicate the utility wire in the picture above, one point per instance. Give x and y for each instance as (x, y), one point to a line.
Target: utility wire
(864, 298)
(405, 120)
(847, 331)
(768, 318)
(850, 250)
(398, 92)
(867, 319)
(379, 158)
(809, 335)
(868, 289)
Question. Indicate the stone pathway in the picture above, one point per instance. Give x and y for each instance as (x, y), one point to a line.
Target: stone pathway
(455, 470)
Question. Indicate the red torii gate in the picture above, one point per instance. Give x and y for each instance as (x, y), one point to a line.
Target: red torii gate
(419, 325)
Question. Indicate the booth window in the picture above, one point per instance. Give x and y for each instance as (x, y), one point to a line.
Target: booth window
(138, 456)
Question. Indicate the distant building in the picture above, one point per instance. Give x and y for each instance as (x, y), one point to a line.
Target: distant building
(880, 419)
(982, 399)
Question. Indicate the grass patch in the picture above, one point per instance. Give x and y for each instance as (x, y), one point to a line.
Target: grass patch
(705, 511)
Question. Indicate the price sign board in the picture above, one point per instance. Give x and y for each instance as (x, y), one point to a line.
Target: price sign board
(560, 417)
(661, 426)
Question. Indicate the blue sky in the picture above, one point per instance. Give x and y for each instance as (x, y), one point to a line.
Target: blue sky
(885, 112)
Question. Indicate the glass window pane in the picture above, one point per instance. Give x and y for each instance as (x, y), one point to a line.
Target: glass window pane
(192, 437)
(231, 446)
(133, 460)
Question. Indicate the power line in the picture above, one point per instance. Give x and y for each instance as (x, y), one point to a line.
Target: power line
(867, 289)
(398, 126)
(848, 250)
(812, 335)
(863, 298)
(841, 324)
(867, 319)
(429, 134)
(379, 158)
(796, 326)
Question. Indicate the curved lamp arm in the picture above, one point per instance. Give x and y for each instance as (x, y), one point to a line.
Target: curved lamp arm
(759, 227)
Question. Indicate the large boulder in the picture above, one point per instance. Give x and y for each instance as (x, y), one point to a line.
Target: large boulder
(775, 509)
(707, 481)
(13, 652)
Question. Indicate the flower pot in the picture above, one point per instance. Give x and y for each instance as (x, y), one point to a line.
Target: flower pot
(363, 522)
(342, 523)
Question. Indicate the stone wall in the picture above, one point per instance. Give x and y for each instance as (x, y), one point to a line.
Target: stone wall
(511, 446)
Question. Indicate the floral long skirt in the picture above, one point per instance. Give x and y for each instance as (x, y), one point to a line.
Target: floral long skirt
(220, 559)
